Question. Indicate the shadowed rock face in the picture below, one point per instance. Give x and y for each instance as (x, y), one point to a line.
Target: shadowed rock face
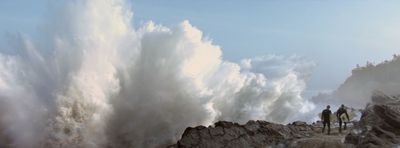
(251, 134)
(379, 125)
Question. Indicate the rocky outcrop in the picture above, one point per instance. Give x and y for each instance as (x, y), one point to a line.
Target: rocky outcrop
(379, 125)
(251, 134)
(255, 134)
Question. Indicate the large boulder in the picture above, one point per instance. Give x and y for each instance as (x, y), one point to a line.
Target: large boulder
(379, 125)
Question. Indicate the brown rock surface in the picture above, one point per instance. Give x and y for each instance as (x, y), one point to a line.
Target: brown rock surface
(379, 125)
(258, 134)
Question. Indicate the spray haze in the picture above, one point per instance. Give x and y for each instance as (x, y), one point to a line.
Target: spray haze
(92, 80)
(366, 80)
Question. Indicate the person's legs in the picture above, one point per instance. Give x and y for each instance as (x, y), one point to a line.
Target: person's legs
(323, 128)
(340, 126)
(345, 125)
(329, 127)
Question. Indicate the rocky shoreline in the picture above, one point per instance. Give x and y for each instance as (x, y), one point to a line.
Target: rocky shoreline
(379, 126)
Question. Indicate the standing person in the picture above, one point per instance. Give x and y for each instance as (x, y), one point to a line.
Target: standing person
(339, 112)
(326, 119)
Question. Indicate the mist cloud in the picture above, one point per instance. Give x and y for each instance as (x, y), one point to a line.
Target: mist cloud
(358, 89)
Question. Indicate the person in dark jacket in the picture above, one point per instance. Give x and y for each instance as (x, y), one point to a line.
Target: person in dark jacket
(326, 119)
(339, 112)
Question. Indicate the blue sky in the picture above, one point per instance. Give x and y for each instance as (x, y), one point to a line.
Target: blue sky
(337, 35)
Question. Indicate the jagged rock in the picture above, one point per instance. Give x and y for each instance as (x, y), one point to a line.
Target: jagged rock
(251, 134)
(379, 125)
(299, 123)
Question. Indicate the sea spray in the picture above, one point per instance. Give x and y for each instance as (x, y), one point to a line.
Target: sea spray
(93, 80)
